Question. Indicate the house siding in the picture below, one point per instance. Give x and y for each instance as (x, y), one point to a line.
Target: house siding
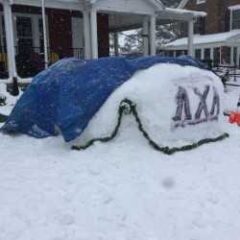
(103, 35)
(60, 32)
(218, 14)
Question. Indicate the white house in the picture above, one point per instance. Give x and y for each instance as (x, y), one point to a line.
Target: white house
(51, 29)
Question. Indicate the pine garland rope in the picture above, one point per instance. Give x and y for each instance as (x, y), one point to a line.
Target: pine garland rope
(3, 118)
(128, 107)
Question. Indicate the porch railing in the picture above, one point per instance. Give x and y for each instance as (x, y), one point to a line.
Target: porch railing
(30, 60)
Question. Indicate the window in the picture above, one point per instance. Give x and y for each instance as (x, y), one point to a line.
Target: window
(207, 54)
(24, 34)
(199, 27)
(2, 35)
(200, 1)
(235, 24)
(198, 54)
(216, 56)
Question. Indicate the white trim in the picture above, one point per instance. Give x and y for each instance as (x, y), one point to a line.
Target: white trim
(212, 53)
(190, 38)
(45, 35)
(94, 33)
(152, 35)
(87, 35)
(116, 43)
(146, 36)
(8, 20)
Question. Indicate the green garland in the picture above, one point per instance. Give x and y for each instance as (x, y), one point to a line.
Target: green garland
(128, 107)
(3, 118)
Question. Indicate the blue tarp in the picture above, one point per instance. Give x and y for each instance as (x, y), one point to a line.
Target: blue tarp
(67, 95)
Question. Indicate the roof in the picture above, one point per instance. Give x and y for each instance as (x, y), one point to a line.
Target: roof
(180, 14)
(234, 7)
(217, 39)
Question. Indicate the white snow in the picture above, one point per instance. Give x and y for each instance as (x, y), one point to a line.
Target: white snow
(234, 7)
(123, 190)
(10, 100)
(202, 40)
(154, 92)
(188, 13)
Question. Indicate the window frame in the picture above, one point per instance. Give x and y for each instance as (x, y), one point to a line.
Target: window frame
(231, 18)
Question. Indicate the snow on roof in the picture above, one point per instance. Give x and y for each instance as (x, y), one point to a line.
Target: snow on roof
(234, 7)
(184, 11)
(218, 38)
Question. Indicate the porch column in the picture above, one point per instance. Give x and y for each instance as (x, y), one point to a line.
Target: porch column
(202, 53)
(45, 40)
(238, 55)
(220, 50)
(8, 19)
(116, 43)
(146, 36)
(232, 55)
(190, 38)
(153, 35)
(94, 34)
(211, 54)
(87, 41)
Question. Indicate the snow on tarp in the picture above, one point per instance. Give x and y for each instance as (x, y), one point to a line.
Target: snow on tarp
(69, 94)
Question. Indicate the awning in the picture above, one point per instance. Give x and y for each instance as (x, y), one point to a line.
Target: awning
(231, 38)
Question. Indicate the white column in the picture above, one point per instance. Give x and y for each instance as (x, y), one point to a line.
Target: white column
(211, 54)
(36, 37)
(238, 53)
(146, 36)
(190, 38)
(232, 55)
(87, 41)
(8, 19)
(220, 53)
(45, 39)
(202, 53)
(153, 35)
(116, 43)
(94, 34)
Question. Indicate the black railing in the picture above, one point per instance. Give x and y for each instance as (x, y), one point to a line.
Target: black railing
(230, 73)
(30, 60)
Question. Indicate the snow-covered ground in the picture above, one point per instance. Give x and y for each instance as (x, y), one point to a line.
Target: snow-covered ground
(123, 190)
